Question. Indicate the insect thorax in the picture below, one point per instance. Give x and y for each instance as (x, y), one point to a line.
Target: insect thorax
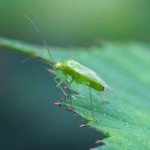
(65, 67)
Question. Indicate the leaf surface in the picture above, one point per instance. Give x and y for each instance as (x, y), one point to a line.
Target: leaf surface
(125, 119)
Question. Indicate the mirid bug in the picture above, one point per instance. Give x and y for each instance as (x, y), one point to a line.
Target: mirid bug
(72, 71)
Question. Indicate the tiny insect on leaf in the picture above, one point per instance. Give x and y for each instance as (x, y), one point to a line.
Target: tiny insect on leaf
(69, 71)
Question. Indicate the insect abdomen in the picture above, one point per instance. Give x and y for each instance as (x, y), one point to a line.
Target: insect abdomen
(81, 79)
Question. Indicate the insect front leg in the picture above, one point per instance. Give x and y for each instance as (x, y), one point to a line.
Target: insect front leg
(58, 84)
(68, 81)
(64, 79)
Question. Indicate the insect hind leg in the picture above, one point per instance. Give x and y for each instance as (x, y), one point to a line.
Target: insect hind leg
(93, 115)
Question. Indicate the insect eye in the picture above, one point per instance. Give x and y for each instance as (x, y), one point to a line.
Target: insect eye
(57, 65)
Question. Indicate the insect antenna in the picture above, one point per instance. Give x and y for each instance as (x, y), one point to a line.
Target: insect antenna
(42, 37)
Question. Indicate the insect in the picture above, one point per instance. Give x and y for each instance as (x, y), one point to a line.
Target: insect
(73, 71)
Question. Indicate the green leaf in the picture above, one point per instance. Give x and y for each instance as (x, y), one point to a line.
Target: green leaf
(124, 120)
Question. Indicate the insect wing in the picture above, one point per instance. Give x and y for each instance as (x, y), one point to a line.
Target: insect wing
(84, 71)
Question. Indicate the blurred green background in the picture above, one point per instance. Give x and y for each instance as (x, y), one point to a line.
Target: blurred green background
(28, 119)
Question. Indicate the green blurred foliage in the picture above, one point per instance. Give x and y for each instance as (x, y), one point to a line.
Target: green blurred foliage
(77, 22)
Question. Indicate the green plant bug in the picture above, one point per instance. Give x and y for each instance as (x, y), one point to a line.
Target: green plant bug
(74, 71)
(81, 74)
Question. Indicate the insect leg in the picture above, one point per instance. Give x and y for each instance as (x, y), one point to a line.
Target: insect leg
(91, 103)
(70, 91)
(58, 85)
(63, 80)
